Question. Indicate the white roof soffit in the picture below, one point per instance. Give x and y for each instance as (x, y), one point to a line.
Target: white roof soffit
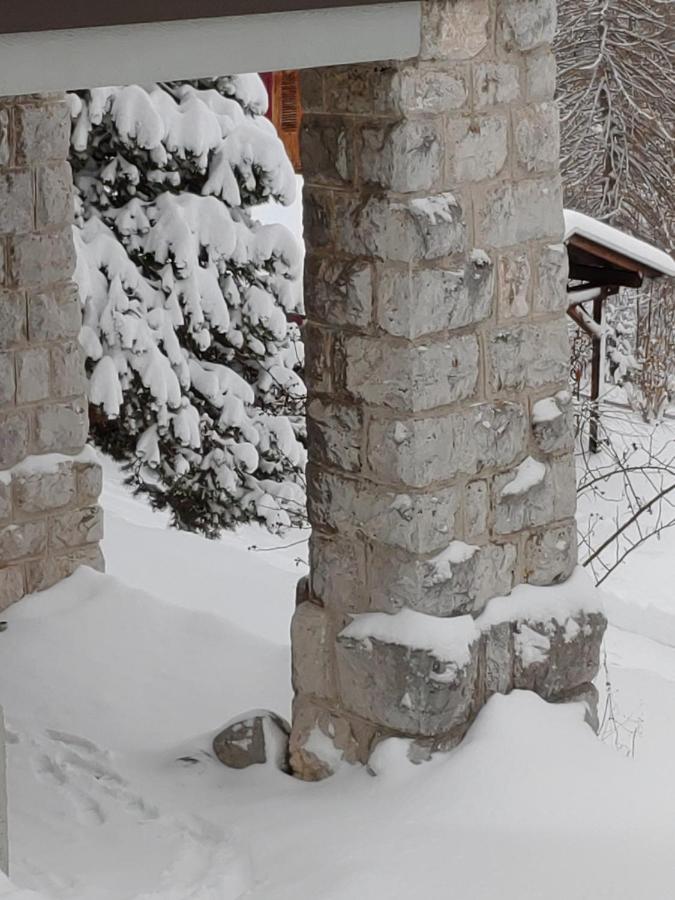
(34, 62)
(613, 239)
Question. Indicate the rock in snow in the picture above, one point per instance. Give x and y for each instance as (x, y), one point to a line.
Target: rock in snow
(258, 737)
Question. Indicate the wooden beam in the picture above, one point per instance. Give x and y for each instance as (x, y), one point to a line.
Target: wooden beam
(611, 256)
(605, 275)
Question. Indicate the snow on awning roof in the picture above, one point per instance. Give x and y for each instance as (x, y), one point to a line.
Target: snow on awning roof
(641, 252)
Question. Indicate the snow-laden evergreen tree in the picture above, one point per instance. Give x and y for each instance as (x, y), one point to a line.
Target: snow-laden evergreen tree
(193, 365)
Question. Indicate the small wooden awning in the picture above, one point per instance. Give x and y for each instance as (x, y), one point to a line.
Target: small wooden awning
(602, 260)
(602, 256)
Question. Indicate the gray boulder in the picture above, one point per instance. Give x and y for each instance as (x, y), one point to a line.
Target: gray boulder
(257, 737)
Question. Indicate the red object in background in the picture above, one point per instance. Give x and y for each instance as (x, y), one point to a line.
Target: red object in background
(285, 110)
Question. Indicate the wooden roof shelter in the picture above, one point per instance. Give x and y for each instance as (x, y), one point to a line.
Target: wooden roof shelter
(602, 260)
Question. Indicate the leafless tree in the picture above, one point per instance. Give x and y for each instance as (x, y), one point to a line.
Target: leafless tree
(616, 82)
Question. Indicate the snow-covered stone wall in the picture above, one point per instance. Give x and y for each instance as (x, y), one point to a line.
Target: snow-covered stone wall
(49, 519)
(441, 473)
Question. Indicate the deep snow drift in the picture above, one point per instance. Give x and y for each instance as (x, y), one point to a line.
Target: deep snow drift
(114, 685)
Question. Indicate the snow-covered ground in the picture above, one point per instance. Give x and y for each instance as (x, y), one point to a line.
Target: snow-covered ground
(114, 685)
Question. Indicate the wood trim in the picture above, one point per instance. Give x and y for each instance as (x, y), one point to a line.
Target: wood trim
(56, 15)
(611, 256)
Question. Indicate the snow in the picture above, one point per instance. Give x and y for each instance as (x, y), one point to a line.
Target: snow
(546, 410)
(45, 463)
(449, 640)
(601, 233)
(114, 687)
(529, 474)
(536, 604)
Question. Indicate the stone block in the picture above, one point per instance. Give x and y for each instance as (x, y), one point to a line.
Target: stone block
(457, 581)
(428, 90)
(321, 742)
(499, 659)
(513, 213)
(553, 658)
(42, 131)
(405, 689)
(11, 585)
(423, 228)
(14, 434)
(495, 83)
(68, 375)
(77, 527)
(258, 737)
(551, 555)
(477, 147)
(415, 302)
(12, 320)
(526, 24)
(16, 202)
(420, 523)
(402, 156)
(5, 139)
(349, 89)
(540, 75)
(338, 572)
(335, 432)
(36, 258)
(327, 147)
(89, 482)
(411, 378)
(553, 423)
(552, 269)
(54, 195)
(528, 355)
(7, 382)
(318, 358)
(339, 292)
(61, 427)
(454, 29)
(419, 452)
(521, 501)
(514, 285)
(536, 132)
(5, 498)
(41, 491)
(311, 90)
(32, 375)
(476, 509)
(19, 541)
(46, 572)
(312, 642)
(317, 217)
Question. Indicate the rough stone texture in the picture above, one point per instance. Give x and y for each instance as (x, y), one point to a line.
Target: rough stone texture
(4, 841)
(435, 293)
(49, 519)
(404, 689)
(255, 738)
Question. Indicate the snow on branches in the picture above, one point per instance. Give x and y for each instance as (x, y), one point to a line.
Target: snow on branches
(616, 82)
(193, 363)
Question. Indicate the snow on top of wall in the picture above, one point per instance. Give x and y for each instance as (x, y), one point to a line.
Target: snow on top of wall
(530, 603)
(447, 639)
(45, 463)
(610, 237)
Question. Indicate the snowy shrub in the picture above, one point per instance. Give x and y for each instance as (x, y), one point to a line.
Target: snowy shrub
(193, 365)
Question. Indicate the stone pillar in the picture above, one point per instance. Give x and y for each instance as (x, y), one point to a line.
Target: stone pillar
(4, 842)
(49, 485)
(441, 473)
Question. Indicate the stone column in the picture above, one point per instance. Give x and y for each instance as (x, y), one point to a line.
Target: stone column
(441, 472)
(49, 485)
(4, 842)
